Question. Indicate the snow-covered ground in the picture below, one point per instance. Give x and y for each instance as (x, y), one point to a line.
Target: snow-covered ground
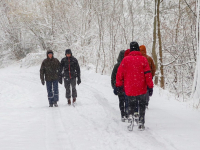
(27, 123)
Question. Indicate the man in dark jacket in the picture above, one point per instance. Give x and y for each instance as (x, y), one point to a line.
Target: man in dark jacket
(71, 69)
(123, 101)
(49, 72)
(134, 75)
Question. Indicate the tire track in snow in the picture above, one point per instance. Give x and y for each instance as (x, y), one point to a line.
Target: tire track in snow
(147, 134)
(55, 134)
(63, 138)
(111, 116)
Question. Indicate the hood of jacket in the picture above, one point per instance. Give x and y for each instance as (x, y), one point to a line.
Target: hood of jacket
(68, 51)
(121, 56)
(126, 52)
(135, 53)
(49, 51)
(143, 50)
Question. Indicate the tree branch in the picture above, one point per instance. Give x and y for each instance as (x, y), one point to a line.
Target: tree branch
(190, 8)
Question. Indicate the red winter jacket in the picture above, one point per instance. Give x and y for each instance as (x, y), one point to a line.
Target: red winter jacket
(134, 74)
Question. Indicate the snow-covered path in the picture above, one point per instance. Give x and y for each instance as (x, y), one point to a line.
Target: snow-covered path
(27, 123)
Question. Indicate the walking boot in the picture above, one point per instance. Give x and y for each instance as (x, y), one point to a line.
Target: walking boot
(69, 101)
(55, 104)
(141, 126)
(123, 116)
(74, 100)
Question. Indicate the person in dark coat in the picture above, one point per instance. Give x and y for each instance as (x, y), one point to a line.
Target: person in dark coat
(71, 71)
(123, 100)
(49, 72)
(134, 75)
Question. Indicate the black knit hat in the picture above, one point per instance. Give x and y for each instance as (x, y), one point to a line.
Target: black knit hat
(49, 52)
(68, 51)
(134, 46)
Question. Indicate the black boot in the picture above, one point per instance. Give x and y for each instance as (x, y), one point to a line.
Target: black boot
(123, 116)
(141, 126)
(55, 104)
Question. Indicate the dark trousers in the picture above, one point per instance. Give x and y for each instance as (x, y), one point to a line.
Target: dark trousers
(72, 83)
(52, 90)
(137, 102)
(123, 104)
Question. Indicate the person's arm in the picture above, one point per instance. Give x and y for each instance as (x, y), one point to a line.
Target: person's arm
(120, 74)
(78, 71)
(153, 68)
(147, 73)
(42, 72)
(61, 68)
(113, 76)
(60, 71)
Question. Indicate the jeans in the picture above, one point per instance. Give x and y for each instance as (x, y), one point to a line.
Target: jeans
(52, 90)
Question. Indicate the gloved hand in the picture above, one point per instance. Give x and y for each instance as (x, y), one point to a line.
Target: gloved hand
(118, 90)
(150, 91)
(43, 82)
(79, 81)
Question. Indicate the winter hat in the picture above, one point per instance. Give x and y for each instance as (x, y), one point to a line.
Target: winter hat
(134, 46)
(68, 51)
(49, 52)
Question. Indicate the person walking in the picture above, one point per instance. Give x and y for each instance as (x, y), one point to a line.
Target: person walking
(123, 100)
(152, 68)
(49, 72)
(134, 76)
(71, 71)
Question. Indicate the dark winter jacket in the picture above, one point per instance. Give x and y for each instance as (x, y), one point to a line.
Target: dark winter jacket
(70, 67)
(114, 72)
(49, 70)
(134, 74)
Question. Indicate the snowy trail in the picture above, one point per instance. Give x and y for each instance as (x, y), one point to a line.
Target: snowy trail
(27, 123)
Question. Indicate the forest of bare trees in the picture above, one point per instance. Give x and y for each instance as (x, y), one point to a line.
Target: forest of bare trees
(96, 30)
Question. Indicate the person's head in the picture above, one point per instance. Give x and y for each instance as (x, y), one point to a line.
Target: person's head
(134, 46)
(121, 56)
(143, 50)
(68, 53)
(50, 54)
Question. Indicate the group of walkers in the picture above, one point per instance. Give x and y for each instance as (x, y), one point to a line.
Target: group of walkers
(131, 80)
(53, 72)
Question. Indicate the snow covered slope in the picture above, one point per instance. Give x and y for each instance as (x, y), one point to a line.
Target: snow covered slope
(27, 123)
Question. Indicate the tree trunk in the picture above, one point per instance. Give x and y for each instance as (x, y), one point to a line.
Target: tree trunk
(154, 55)
(162, 82)
(196, 84)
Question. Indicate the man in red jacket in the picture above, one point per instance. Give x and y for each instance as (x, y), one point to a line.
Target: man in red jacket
(134, 76)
